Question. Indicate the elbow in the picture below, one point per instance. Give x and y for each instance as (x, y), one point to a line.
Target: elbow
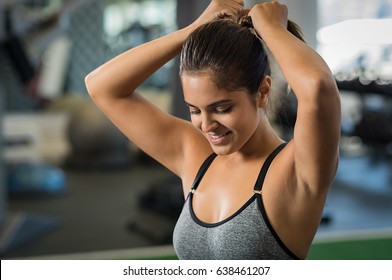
(89, 82)
(323, 92)
(102, 85)
(95, 86)
(328, 95)
(326, 85)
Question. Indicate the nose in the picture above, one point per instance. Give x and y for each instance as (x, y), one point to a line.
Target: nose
(208, 123)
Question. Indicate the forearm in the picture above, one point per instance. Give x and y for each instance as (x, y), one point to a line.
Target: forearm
(304, 69)
(120, 76)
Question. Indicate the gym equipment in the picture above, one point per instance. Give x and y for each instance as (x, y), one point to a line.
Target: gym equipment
(31, 179)
(161, 204)
(13, 46)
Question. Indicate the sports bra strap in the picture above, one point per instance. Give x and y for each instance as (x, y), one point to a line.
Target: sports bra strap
(202, 171)
(260, 179)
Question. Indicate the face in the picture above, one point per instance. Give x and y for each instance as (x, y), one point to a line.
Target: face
(228, 119)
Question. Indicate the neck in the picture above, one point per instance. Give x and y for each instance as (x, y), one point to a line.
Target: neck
(260, 144)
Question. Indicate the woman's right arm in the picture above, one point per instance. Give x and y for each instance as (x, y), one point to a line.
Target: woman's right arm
(112, 87)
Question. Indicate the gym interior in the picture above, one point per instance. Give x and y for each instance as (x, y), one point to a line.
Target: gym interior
(73, 187)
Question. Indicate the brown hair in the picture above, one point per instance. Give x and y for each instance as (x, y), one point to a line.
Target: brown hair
(230, 50)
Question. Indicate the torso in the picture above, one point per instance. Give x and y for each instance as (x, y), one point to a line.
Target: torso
(226, 196)
(281, 198)
(244, 235)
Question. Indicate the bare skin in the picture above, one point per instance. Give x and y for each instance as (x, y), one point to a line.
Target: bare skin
(234, 125)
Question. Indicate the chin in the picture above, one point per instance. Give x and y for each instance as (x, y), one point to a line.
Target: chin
(223, 151)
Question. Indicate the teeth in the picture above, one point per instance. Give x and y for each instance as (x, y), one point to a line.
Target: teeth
(217, 136)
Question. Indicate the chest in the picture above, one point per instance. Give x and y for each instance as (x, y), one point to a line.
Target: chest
(222, 191)
(244, 235)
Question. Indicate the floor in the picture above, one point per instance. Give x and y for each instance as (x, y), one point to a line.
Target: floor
(100, 210)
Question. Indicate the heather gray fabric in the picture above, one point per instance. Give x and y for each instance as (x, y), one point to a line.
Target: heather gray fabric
(247, 234)
(243, 236)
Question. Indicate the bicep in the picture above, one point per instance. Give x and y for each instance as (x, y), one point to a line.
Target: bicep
(154, 131)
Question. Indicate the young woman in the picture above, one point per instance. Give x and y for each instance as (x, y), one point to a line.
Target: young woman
(234, 208)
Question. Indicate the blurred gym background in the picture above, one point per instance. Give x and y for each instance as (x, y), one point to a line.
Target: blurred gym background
(72, 186)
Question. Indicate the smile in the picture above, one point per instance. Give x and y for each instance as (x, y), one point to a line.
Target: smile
(218, 139)
(218, 136)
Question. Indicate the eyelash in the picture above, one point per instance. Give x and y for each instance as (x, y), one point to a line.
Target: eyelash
(194, 112)
(225, 111)
(218, 112)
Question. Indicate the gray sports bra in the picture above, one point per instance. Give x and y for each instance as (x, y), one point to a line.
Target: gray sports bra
(247, 234)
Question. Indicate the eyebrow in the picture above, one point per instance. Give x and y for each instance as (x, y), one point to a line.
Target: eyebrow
(213, 104)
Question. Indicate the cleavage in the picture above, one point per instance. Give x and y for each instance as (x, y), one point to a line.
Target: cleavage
(218, 197)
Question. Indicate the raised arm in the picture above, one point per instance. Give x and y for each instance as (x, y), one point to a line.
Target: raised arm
(112, 87)
(317, 128)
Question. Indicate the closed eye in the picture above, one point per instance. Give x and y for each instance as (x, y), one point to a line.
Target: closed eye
(194, 112)
(223, 110)
(219, 107)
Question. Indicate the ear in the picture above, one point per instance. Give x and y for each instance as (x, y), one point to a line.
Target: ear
(264, 91)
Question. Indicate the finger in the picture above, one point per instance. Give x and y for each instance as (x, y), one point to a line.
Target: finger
(236, 3)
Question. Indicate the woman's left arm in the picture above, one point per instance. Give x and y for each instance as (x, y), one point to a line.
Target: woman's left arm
(317, 128)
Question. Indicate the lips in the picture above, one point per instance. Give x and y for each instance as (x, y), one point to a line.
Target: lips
(218, 139)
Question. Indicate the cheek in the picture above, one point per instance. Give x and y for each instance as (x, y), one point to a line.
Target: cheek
(196, 122)
(248, 122)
